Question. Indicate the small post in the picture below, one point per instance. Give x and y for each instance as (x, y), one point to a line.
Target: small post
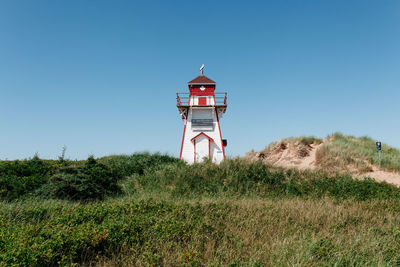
(379, 159)
(379, 148)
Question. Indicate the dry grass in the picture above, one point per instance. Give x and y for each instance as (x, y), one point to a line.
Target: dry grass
(336, 153)
(276, 232)
(335, 158)
(348, 153)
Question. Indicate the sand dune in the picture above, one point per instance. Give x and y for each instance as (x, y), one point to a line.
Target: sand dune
(294, 154)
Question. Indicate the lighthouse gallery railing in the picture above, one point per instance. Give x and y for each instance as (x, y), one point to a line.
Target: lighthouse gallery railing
(182, 99)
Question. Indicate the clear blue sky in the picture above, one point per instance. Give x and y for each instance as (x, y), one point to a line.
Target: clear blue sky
(100, 76)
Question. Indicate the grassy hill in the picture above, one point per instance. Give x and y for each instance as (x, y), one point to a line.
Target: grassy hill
(341, 151)
(335, 153)
(152, 210)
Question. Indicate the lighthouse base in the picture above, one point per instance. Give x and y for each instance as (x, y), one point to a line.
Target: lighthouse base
(202, 137)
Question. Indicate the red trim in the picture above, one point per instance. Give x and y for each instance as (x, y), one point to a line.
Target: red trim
(202, 133)
(183, 138)
(194, 151)
(209, 144)
(209, 148)
(183, 99)
(219, 127)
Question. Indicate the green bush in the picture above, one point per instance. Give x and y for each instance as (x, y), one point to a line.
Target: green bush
(75, 180)
(14, 187)
(125, 165)
(18, 178)
(22, 168)
(92, 181)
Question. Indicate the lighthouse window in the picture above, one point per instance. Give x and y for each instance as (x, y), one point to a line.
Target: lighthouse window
(202, 122)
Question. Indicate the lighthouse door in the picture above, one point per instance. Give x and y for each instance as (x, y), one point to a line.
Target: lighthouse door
(202, 150)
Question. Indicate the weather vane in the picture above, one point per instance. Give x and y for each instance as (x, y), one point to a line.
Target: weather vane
(201, 69)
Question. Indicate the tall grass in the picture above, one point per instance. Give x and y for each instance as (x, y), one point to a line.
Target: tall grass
(351, 153)
(260, 232)
(237, 178)
(170, 213)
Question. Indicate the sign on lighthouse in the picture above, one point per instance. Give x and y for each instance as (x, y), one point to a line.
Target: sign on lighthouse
(201, 109)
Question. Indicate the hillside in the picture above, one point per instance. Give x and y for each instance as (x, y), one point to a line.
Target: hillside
(155, 210)
(336, 153)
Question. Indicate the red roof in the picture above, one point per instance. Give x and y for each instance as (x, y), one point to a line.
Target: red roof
(202, 79)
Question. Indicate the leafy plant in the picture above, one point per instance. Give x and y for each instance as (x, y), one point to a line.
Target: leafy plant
(18, 178)
(92, 181)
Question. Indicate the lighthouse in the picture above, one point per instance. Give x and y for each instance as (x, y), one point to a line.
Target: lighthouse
(201, 110)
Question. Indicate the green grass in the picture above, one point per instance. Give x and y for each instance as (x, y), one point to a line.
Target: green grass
(346, 152)
(168, 213)
(238, 178)
(256, 231)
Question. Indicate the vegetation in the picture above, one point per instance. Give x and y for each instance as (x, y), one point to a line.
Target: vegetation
(66, 179)
(346, 152)
(155, 210)
(304, 140)
(74, 180)
(18, 178)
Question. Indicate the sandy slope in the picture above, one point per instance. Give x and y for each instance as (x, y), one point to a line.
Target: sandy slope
(295, 155)
(384, 176)
(289, 158)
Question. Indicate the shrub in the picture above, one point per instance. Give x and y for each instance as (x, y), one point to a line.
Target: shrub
(92, 181)
(18, 178)
(14, 187)
(125, 165)
(22, 168)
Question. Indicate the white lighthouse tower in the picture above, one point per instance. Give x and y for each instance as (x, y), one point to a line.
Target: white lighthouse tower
(201, 110)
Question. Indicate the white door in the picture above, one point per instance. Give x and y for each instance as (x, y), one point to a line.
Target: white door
(202, 148)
